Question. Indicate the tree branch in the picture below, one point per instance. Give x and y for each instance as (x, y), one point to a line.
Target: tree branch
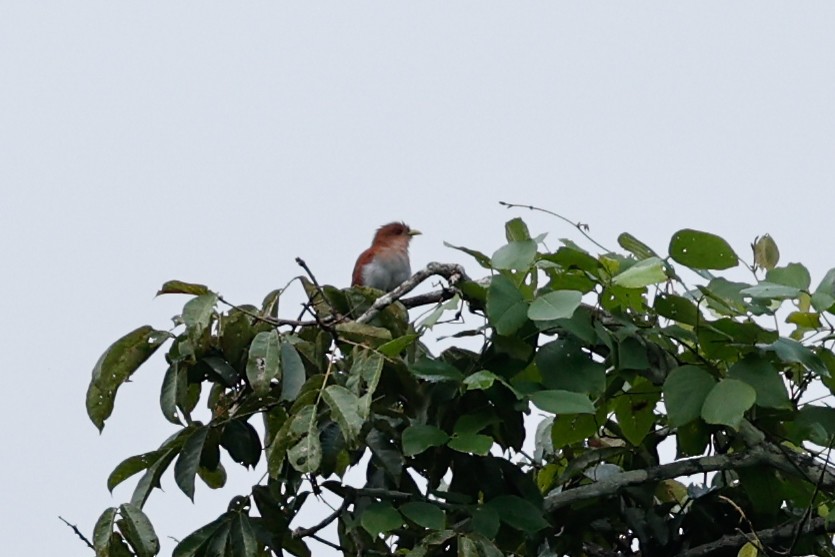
(452, 272)
(770, 536)
(78, 533)
(765, 454)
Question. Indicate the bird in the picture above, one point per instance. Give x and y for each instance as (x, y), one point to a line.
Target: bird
(385, 265)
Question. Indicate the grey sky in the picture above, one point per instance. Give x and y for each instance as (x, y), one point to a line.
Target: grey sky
(215, 141)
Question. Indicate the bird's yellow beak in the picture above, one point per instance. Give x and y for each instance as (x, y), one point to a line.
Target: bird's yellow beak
(414, 232)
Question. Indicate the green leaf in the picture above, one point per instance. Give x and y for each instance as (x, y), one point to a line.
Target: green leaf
(480, 380)
(727, 402)
(791, 351)
(130, 466)
(115, 367)
(435, 370)
(634, 410)
(486, 521)
(793, 274)
(764, 378)
(702, 250)
(424, 514)
(293, 374)
(564, 365)
(262, 365)
(572, 428)
(516, 230)
(481, 258)
(102, 532)
(419, 437)
(306, 455)
(242, 540)
(186, 467)
(180, 287)
(641, 274)
(507, 309)
(562, 402)
(685, 391)
(191, 544)
(636, 247)
(197, 314)
(242, 442)
(555, 305)
(395, 346)
(379, 518)
(150, 479)
(363, 334)
(771, 291)
(519, 513)
(517, 255)
(766, 254)
(344, 407)
(474, 443)
(214, 479)
(677, 308)
(138, 531)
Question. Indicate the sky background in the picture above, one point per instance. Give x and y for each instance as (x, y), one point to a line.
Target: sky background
(216, 141)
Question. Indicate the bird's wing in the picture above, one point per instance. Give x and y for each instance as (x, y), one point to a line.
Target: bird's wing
(364, 259)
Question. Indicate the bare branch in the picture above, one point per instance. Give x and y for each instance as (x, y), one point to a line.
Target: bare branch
(304, 532)
(78, 533)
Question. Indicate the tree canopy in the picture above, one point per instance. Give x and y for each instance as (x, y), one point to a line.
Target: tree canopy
(591, 403)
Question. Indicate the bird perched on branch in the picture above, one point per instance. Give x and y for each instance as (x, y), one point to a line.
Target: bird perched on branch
(385, 265)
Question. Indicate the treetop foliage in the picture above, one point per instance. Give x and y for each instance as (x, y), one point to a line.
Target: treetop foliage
(606, 357)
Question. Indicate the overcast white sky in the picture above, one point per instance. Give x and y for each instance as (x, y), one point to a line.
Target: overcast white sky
(215, 141)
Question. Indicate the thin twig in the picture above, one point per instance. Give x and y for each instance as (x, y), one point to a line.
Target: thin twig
(78, 533)
(304, 532)
(578, 225)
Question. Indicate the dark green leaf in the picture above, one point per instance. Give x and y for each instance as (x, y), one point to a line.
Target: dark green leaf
(262, 366)
(150, 479)
(424, 514)
(793, 274)
(471, 443)
(516, 230)
(555, 305)
(222, 370)
(764, 378)
(102, 531)
(481, 258)
(641, 274)
(242, 442)
(242, 540)
(571, 428)
(138, 531)
(292, 372)
(677, 308)
(435, 370)
(130, 466)
(562, 402)
(634, 246)
(791, 351)
(191, 544)
(186, 467)
(702, 250)
(685, 391)
(116, 365)
(486, 521)
(345, 410)
(363, 334)
(180, 287)
(771, 291)
(727, 402)
(419, 437)
(519, 513)
(507, 309)
(564, 365)
(517, 255)
(380, 517)
(395, 346)
(197, 314)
